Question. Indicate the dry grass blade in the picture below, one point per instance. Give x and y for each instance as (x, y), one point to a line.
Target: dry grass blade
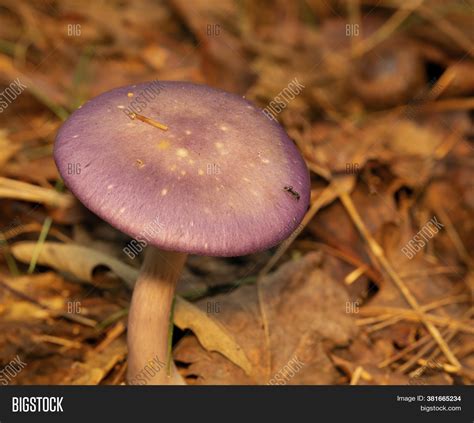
(39, 245)
(385, 316)
(449, 334)
(422, 341)
(413, 316)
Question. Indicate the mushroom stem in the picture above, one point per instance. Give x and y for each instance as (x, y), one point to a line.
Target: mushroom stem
(148, 320)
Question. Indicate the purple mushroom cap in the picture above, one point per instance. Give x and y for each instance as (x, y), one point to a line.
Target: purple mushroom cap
(223, 180)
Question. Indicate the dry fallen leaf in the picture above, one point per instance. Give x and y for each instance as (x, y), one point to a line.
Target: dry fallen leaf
(305, 308)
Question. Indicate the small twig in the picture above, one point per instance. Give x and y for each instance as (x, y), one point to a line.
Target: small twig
(149, 121)
(58, 341)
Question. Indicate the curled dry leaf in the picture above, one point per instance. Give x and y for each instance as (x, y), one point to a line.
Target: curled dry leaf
(212, 335)
(75, 260)
(11, 188)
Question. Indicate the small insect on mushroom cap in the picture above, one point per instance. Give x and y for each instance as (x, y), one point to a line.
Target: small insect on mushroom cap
(294, 193)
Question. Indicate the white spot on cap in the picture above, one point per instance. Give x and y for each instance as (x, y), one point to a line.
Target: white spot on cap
(164, 191)
(265, 161)
(122, 210)
(200, 172)
(183, 172)
(110, 186)
(120, 107)
(182, 152)
(187, 132)
(219, 145)
(223, 128)
(75, 136)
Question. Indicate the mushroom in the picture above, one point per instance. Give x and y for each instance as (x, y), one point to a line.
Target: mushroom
(195, 170)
